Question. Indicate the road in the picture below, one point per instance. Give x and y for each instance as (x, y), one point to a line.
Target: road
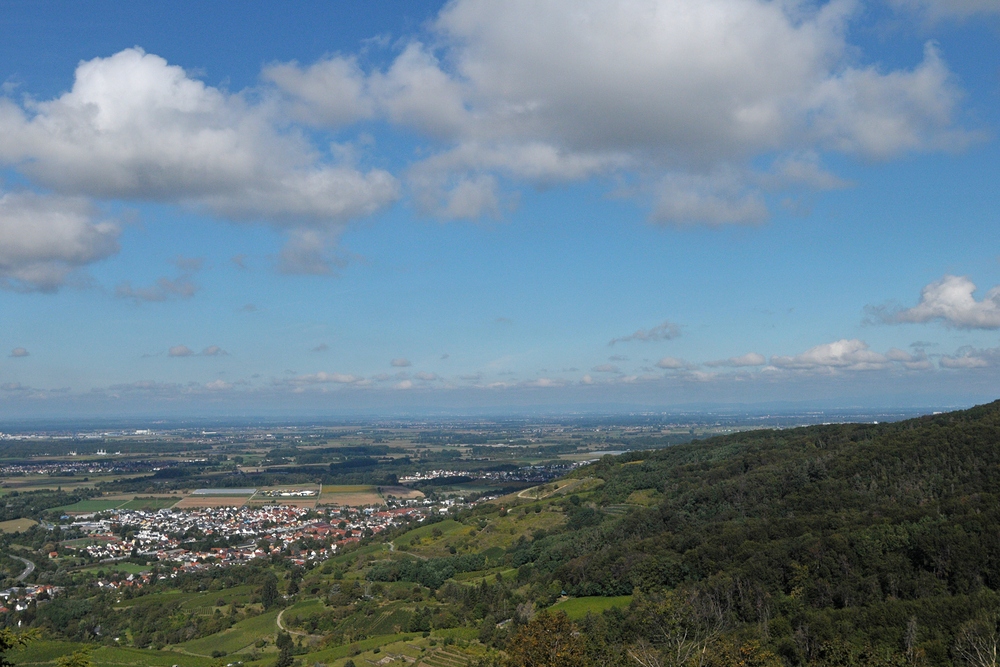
(29, 568)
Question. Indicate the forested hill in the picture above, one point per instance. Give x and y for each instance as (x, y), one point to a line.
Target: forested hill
(870, 537)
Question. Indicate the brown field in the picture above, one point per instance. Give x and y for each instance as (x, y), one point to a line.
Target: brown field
(354, 495)
(211, 501)
(404, 492)
(259, 501)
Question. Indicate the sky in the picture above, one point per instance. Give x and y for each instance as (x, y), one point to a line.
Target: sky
(412, 207)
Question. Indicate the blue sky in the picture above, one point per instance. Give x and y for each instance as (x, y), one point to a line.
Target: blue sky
(324, 208)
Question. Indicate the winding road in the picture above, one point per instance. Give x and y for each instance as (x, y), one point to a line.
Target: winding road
(29, 568)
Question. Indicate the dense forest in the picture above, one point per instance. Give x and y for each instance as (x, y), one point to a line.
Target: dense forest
(840, 544)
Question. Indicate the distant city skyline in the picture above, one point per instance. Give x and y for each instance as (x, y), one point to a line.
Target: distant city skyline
(475, 207)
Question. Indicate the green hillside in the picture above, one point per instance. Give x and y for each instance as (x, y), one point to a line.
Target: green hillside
(858, 544)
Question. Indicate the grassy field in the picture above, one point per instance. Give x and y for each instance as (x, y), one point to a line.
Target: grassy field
(365, 645)
(151, 503)
(128, 568)
(16, 525)
(240, 636)
(577, 608)
(211, 501)
(45, 652)
(91, 505)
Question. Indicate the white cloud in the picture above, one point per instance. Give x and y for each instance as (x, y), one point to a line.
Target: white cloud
(180, 351)
(218, 385)
(19, 352)
(44, 238)
(427, 377)
(665, 331)
(672, 363)
(913, 362)
(134, 127)
(850, 355)
(951, 301)
(325, 378)
(748, 359)
(675, 91)
(970, 357)
(606, 368)
(330, 92)
(213, 351)
(400, 363)
(541, 383)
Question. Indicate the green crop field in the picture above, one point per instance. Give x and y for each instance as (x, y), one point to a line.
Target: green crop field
(240, 636)
(91, 505)
(150, 504)
(331, 654)
(45, 652)
(577, 608)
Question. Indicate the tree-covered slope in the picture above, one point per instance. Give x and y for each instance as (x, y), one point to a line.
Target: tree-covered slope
(812, 535)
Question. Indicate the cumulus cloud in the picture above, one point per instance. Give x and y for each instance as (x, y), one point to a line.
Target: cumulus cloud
(683, 93)
(134, 127)
(672, 363)
(180, 351)
(917, 361)
(325, 378)
(969, 357)
(19, 352)
(44, 238)
(400, 363)
(748, 359)
(849, 355)
(666, 331)
(606, 368)
(949, 300)
(427, 377)
(213, 351)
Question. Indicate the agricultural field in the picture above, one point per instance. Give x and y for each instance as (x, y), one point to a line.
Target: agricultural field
(92, 505)
(354, 495)
(401, 492)
(151, 503)
(241, 636)
(16, 525)
(577, 608)
(272, 496)
(47, 652)
(215, 498)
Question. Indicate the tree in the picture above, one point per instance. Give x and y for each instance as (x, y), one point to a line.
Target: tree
(978, 643)
(10, 640)
(79, 658)
(269, 592)
(548, 640)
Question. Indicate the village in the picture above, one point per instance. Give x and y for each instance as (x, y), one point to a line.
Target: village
(168, 535)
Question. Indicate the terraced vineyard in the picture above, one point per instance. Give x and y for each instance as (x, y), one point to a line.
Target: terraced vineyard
(444, 657)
